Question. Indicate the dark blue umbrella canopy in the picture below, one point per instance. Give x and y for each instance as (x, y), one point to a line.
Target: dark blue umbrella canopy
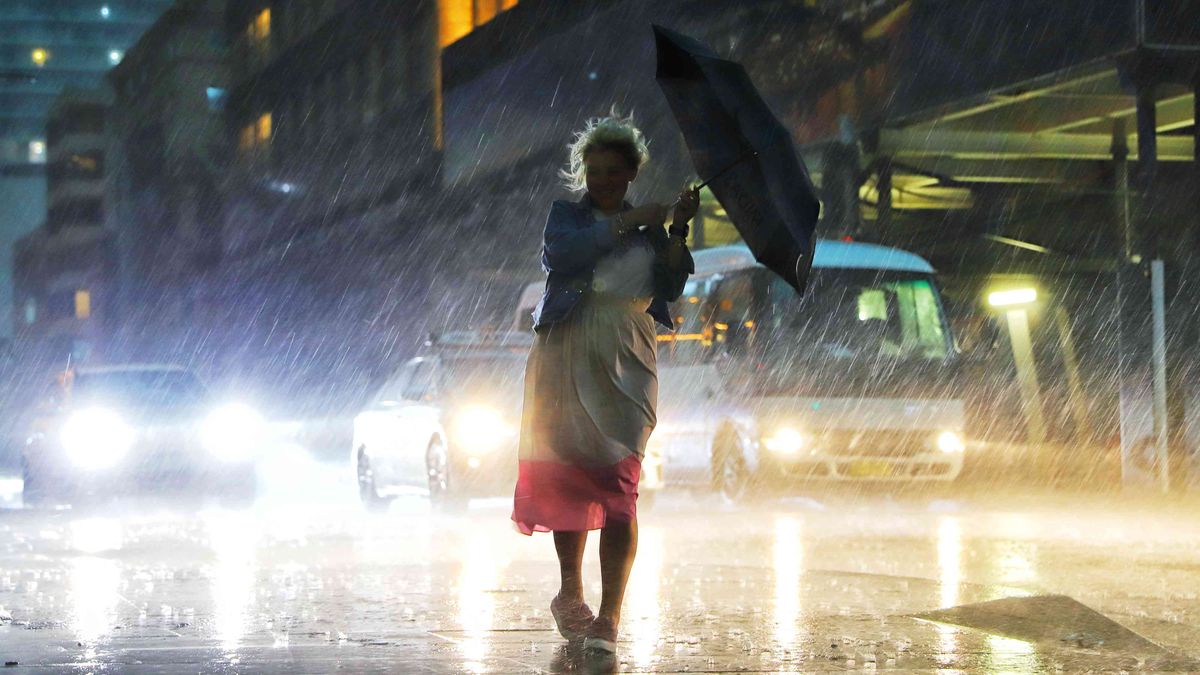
(740, 147)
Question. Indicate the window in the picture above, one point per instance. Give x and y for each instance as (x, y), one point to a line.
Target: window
(693, 329)
(256, 136)
(732, 310)
(854, 313)
(83, 211)
(216, 98)
(141, 389)
(83, 304)
(419, 385)
(246, 138)
(37, 152)
(459, 17)
(455, 19)
(485, 11)
(85, 165)
(264, 128)
(259, 29)
(390, 393)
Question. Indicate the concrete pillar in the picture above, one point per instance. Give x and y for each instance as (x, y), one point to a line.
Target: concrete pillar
(1141, 347)
(1027, 378)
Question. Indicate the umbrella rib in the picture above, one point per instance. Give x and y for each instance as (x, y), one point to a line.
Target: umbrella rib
(722, 172)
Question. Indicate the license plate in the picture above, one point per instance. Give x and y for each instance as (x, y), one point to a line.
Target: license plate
(870, 469)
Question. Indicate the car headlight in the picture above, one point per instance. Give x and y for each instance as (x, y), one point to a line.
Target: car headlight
(480, 429)
(950, 443)
(95, 438)
(785, 441)
(233, 431)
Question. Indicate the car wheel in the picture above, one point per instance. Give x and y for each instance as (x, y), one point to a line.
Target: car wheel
(442, 494)
(729, 473)
(368, 492)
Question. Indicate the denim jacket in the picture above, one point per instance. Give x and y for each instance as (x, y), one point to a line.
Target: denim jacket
(574, 240)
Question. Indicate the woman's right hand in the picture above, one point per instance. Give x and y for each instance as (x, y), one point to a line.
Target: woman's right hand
(648, 215)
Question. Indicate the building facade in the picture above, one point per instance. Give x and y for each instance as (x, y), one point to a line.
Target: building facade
(168, 166)
(332, 123)
(49, 46)
(63, 275)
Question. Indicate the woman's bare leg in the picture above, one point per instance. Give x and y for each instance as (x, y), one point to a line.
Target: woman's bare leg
(618, 545)
(569, 546)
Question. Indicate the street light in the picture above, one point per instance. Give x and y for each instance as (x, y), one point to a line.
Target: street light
(39, 56)
(1009, 298)
(1015, 302)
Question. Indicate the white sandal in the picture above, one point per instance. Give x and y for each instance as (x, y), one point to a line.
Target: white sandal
(600, 643)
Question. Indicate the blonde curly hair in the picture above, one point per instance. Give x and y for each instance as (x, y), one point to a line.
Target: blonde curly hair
(615, 132)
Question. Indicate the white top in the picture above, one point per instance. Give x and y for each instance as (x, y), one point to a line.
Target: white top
(628, 269)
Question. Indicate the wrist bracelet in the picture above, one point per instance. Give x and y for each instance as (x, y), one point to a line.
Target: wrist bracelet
(679, 230)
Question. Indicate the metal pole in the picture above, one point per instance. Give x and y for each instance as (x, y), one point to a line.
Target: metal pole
(1157, 296)
(883, 212)
(1079, 409)
(1120, 151)
(1031, 393)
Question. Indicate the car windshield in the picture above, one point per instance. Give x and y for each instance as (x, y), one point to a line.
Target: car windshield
(853, 332)
(482, 376)
(856, 315)
(139, 389)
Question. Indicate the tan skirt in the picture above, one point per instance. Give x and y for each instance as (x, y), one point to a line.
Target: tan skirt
(591, 388)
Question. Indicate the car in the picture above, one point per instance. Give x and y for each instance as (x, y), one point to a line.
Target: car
(446, 424)
(111, 431)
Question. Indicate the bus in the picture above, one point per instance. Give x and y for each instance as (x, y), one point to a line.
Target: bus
(852, 381)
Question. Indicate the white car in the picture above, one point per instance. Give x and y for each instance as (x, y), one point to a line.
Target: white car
(138, 429)
(447, 423)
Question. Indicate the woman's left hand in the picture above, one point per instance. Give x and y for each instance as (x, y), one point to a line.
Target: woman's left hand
(685, 210)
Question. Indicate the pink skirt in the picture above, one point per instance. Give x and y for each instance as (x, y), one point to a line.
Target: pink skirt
(591, 388)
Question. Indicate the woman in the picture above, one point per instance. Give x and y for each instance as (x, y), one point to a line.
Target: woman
(591, 383)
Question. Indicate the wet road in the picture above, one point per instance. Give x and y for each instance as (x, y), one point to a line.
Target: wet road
(307, 582)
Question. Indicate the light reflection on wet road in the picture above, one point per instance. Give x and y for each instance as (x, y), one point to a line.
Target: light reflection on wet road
(830, 583)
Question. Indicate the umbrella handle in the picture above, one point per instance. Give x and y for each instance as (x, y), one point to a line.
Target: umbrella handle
(748, 155)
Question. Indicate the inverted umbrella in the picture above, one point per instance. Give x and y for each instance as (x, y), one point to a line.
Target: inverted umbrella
(742, 152)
